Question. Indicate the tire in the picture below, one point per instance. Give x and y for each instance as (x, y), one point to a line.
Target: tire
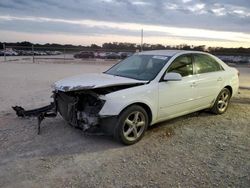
(222, 101)
(132, 125)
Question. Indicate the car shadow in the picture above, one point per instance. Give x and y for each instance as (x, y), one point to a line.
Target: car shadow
(169, 125)
(19, 139)
(243, 100)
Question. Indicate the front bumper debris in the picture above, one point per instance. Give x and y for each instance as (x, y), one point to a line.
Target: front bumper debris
(79, 109)
(39, 113)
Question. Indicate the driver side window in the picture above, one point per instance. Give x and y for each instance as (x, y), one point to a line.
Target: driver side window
(182, 65)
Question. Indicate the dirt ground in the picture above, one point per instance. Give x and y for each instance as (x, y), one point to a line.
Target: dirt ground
(196, 150)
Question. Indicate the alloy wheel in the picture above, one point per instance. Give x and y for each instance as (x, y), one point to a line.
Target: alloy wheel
(223, 101)
(134, 125)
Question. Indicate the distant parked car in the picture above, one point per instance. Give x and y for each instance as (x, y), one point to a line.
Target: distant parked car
(48, 52)
(84, 54)
(29, 52)
(56, 53)
(112, 55)
(124, 55)
(102, 55)
(20, 52)
(37, 53)
(234, 59)
(10, 53)
(42, 53)
(108, 55)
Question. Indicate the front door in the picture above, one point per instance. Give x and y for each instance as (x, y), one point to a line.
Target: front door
(177, 97)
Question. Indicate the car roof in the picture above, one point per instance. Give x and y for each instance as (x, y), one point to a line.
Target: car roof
(167, 52)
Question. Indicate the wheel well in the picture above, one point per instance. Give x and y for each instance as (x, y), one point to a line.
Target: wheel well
(230, 89)
(145, 107)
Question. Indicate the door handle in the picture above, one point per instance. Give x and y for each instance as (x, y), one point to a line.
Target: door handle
(219, 79)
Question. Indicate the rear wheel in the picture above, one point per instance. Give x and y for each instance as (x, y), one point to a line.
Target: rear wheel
(131, 126)
(222, 102)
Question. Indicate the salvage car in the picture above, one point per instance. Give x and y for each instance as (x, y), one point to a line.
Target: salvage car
(140, 91)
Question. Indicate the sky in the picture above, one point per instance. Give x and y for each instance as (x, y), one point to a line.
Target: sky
(222, 23)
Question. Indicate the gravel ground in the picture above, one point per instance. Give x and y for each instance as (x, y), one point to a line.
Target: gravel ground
(196, 150)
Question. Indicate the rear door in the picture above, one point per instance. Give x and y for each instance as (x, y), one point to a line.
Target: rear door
(209, 80)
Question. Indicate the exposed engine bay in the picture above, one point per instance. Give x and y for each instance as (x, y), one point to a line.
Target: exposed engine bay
(79, 109)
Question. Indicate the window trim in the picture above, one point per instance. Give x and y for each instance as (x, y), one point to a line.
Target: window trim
(188, 54)
(195, 67)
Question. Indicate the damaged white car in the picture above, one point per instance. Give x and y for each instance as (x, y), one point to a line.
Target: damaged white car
(144, 89)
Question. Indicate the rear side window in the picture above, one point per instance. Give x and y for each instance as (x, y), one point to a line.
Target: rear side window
(205, 64)
(182, 65)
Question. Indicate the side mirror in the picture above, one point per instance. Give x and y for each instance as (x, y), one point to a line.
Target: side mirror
(172, 76)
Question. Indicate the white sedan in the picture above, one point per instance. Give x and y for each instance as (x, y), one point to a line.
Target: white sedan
(144, 89)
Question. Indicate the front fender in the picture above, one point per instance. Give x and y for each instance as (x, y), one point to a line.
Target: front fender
(117, 101)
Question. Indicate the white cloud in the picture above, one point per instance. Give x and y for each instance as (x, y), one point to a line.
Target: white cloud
(140, 3)
(107, 1)
(186, 1)
(171, 6)
(175, 17)
(13, 36)
(219, 11)
(197, 8)
(170, 32)
(241, 13)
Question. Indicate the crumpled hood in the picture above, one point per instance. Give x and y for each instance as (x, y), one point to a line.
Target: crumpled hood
(91, 81)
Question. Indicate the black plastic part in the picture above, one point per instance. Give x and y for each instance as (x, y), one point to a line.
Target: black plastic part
(108, 124)
(40, 113)
(21, 112)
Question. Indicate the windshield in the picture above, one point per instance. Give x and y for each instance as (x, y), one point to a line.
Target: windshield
(139, 67)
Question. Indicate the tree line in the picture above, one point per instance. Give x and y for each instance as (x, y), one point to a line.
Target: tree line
(125, 46)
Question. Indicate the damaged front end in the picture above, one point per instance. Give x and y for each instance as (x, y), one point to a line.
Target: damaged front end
(79, 108)
(80, 99)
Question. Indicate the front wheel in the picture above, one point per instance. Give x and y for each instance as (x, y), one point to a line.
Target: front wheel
(131, 126)
(222, 102)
